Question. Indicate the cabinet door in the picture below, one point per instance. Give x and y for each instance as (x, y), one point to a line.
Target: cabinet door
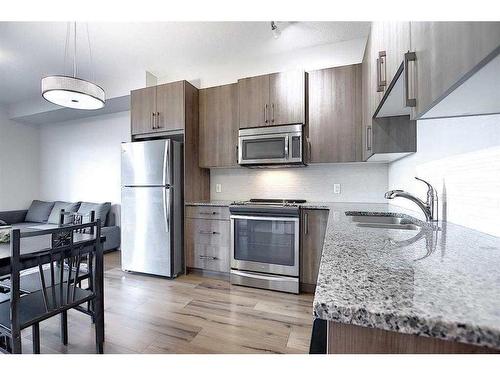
(170, 106)
(396, 42)
(335, 127)
(445, 52)
(207, 244)
(142, 110)
(378, 65)
(313, 235)
(253, 98)
(367, 96)
(218, 126)
(287, 98)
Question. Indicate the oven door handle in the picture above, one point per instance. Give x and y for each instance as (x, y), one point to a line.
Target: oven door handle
(256, 275)
(270, 218)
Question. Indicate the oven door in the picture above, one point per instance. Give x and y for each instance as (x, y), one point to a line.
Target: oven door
(265, 244)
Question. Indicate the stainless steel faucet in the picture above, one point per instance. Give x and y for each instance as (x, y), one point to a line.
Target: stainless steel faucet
(429, 207)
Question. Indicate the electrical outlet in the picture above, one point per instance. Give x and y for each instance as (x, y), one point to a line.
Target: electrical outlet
(218, 188)
(336, 188)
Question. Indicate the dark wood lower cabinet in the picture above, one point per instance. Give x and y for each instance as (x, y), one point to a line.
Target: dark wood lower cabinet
(313, 227)
(352, 339)
(207, 242)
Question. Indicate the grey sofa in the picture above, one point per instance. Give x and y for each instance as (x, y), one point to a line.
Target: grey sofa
(38, 216)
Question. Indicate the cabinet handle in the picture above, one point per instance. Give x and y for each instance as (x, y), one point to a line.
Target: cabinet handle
(265, 113)
(410, 102)
(158, 120)
(208, 232)
(369, 138)
(309, 148)
(272, 108)
(208, 257)
(153, 126)
(381, 60)
(208, 213)
(306, 223)
(382, 56)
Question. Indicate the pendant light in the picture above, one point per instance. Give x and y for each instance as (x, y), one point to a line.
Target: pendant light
(71, 91)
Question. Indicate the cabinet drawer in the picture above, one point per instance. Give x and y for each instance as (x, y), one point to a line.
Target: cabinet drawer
(207, 232)
(207, 212)
(207, 257)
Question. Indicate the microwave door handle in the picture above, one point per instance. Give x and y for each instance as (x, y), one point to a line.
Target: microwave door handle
(286, 147)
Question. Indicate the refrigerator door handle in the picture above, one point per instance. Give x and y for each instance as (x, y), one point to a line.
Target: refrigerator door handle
(166, 207)
(166, 165)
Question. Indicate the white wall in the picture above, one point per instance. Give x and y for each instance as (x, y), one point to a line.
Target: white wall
(19, 163)
(460, 157)
(80, 159)
(311, 58)
(359, 183)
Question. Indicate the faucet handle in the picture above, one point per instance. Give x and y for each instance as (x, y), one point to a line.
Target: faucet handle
(425, 182)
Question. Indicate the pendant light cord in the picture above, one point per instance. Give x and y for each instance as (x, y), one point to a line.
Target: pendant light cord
(92, 72)
(74, 56)
(66, 50)
(66, 46)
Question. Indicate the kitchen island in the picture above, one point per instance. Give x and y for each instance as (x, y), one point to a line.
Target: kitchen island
(407, 291)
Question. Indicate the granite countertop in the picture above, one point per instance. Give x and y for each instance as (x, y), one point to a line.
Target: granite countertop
(439, 283)
(209, 203)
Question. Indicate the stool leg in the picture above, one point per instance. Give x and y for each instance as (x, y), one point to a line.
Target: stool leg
(64, 327)
(36, 338)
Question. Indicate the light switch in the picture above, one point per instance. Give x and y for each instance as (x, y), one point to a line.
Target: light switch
(336, 188)
(218, 188)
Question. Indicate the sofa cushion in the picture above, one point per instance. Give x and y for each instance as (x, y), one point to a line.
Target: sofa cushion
(101, 210)
(39, 211)
(56, 210)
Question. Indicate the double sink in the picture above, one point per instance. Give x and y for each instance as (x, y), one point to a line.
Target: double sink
(383, 222)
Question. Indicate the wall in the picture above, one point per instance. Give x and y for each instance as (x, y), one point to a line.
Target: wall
(19, 163)
(460, 157)
(311, 58)
(359, 183)
(80, 159)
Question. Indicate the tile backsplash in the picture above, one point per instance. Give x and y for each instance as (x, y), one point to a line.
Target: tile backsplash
(359, 182)
(460, 157)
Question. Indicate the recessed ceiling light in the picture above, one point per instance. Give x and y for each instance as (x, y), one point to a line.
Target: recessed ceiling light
(73, 92)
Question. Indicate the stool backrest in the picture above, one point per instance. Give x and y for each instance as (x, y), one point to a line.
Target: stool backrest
(69, 244)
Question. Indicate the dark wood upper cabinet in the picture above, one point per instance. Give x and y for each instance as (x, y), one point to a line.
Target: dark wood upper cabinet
(218, 126)
(447, 55)
(335, 116)
(273, 99)
(253, 101)
(287, 98)
(142, 110)
(158, 108)
(170, 106)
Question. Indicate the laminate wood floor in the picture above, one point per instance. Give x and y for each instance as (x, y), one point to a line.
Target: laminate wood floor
(191, 314)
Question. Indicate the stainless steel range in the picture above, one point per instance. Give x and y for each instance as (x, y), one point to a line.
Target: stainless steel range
(265, 244)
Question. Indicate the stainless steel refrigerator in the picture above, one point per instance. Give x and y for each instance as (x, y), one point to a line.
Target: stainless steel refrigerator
(152, 207)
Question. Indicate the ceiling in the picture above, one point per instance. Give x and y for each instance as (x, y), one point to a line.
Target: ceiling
(31, 50)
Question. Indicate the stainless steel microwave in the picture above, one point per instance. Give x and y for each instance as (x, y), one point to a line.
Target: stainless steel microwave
(271, 145)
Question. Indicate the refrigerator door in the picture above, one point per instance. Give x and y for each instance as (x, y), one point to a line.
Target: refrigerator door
(146, 230)
(147, 163)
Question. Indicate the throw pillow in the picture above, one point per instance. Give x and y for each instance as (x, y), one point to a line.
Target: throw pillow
(56, 210)
(39, 211)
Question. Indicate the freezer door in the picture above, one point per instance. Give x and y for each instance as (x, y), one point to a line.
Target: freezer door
(146, 230)
(146, 163)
